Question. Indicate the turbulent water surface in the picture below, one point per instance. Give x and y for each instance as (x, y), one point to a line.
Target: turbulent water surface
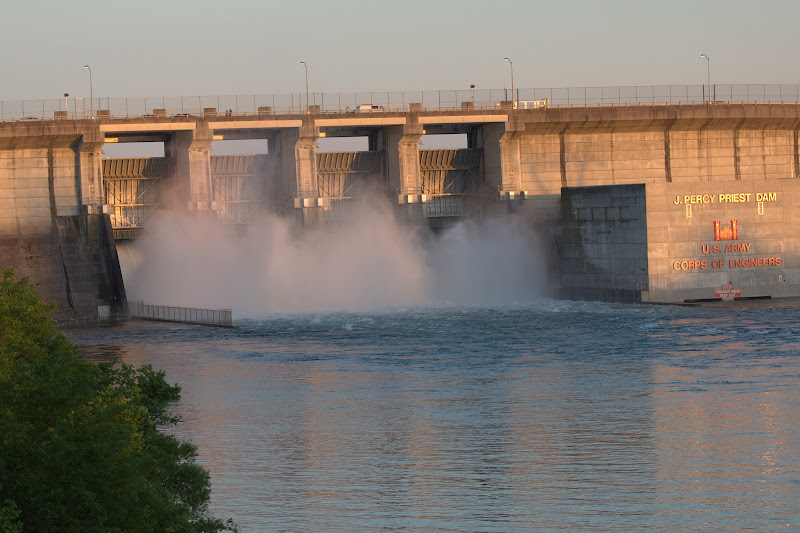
(548, 416)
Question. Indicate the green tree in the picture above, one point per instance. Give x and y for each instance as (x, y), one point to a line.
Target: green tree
(80, 448)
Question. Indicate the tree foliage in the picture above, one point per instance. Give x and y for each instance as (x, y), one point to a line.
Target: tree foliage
(80, 448)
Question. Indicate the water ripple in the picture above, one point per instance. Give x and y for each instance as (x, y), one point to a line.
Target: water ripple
(551, 416)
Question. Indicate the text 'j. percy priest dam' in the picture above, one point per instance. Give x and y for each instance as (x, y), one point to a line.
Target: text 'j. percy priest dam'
(648, 194)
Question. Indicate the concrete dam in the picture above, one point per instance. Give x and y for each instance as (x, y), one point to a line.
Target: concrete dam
(662, 203)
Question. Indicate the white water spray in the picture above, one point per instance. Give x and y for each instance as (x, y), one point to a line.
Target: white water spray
(370, 263)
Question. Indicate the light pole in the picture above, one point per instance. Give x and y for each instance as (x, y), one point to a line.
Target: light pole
(513, 98)
(91, 90)
(66, 104)
(708, 60)
(472, 93)
(304, 64)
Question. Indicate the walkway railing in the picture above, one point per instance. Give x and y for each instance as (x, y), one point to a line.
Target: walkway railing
(162, 313)
(380, 102)
(188, 315)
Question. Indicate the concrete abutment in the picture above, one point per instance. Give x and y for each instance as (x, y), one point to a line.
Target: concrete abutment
(53, 225)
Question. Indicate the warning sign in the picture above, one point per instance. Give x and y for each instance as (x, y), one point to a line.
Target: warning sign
(727, 292)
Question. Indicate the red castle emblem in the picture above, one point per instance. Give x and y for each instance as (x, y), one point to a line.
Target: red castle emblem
(727, 233)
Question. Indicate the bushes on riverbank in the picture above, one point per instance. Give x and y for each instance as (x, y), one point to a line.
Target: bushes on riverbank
(80, 448)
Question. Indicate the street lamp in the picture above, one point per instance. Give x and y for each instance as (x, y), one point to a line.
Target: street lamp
(472, 92)
(304, 64)
(513, 98)
(66, 104)
(708, 60)
(91, 90)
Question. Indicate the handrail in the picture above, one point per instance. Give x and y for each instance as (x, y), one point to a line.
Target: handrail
(188, 315)
(384, 102)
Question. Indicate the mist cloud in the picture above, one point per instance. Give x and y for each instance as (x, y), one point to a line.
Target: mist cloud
(369, 263)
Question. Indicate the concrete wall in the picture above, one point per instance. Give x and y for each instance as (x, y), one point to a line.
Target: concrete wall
(35, 185)
(604, 242)
(658, 144)
(74, 264)
(685, 262)
(681, 242)
(51, 224)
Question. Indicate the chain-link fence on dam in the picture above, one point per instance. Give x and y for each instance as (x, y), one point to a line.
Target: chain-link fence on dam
(392, 101)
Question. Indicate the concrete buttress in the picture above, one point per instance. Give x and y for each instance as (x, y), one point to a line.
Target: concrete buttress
(191, 151)
(510, 156)
(402, 155)
(502, 156)
(305, 157)
(408, 160)
(89, 149)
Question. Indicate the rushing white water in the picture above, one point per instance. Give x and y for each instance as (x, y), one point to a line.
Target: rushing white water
(370, 262)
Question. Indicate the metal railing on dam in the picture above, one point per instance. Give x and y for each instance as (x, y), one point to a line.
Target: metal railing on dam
(186, 315)
(396, 101)
(159, 313)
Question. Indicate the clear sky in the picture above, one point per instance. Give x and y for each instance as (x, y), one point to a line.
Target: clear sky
(201, 47)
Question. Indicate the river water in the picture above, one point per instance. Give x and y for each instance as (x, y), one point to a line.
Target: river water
(561, 416)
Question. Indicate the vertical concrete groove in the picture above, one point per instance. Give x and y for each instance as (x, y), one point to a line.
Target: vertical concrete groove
(709, 164)
(76, 150)
(562, 154)
(51, 185)
(796, 150)
(667, 156)
(611, 156)
(736, 169)
(67, 285)
(54, 221)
